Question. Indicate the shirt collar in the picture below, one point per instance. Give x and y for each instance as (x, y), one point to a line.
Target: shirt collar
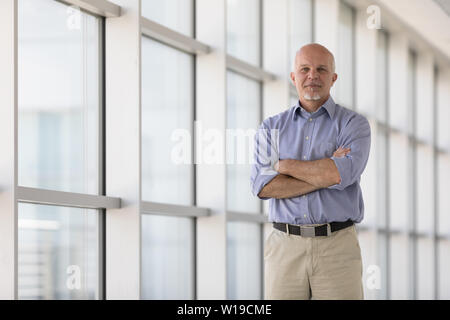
(329, 106)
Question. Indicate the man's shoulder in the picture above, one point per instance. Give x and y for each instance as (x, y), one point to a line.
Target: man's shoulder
(347, 115)
(278, 120)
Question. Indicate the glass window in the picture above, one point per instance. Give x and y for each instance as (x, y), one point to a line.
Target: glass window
(425, 268)
(243, 30)
(412, 92)
(424, 93)
(381, 76)
(244, 261)
(58, 253)
(167, 257)
(243, 118)
(345, 59)
(368, 181)
(301, 28)
(444, 266)
(424, 189)
(167, 118)
(400, 268)
(174, 14)
(399, 181)
(443, 109)
(59, 97)
(443, 185)
(381, 177)
(367, 242)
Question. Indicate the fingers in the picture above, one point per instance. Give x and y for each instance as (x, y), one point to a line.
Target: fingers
(340, 152)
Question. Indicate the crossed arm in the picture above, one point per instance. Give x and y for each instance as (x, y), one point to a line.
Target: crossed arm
(297, 177)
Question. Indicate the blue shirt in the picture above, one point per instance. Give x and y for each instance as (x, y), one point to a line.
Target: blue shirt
(308, 136)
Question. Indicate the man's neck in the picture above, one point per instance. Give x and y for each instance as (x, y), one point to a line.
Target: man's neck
(312, 105)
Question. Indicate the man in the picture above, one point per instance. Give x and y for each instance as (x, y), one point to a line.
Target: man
(311, 177)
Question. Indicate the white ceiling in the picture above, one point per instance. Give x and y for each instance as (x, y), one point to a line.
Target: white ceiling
(429, 18)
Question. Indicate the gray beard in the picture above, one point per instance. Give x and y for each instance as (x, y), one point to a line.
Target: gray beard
(308, 97)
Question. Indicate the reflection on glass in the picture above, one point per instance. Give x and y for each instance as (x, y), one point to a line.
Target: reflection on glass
(59, 86)
(243, 30)
(300, 23)
(167, 104)
(345, 59)
(243, 116)
(174, 14)
(167, 257)
(243, 260)
(58, 252)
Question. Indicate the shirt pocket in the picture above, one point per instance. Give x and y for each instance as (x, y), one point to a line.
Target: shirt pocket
(326, 149)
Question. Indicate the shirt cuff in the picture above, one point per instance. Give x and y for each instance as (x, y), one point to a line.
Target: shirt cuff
(344, 166)
(261, 180)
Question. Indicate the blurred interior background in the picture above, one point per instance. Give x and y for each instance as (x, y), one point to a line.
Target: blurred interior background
(223, 64)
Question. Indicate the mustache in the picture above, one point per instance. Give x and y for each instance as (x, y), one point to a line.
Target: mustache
(312, 84)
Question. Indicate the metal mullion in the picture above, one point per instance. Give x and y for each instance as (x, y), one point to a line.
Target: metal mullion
(102, 164)
(155, 208)
(102, 8)
(435, 184)
(245, 217)
(172, 38)
(66, 199)
(246, 69)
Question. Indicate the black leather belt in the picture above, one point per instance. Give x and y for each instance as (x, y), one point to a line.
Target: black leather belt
(310, 231)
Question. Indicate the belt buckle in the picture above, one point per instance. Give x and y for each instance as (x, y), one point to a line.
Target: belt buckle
(307, 231)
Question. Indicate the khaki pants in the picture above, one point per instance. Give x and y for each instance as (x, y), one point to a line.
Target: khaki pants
(313, 268)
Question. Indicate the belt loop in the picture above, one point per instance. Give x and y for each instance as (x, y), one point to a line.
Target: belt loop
(287, 228)
(328, 229)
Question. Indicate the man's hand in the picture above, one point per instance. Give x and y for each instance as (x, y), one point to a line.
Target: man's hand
(340, 152)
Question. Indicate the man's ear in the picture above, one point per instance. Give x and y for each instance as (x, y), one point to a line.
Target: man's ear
(293, 78)
(335, 76)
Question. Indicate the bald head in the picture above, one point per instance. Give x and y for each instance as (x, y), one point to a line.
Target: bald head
(315, 49)
(313, 74)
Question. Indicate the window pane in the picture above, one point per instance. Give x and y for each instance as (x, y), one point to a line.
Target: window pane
(243, 115)
(443, 178)
(59, 97)
(174, 14)
(243, 30)
(58, 252)
(381, 177)
(244, 261)
(344, 59)
(425, 100)
(167, 257)
(400, 268)
(425, 189)
(167, 107)
(443, 108)
(399, 181)
(367, 242)
(300, 22)
(381, 75)
(444, 266)
(425, 268)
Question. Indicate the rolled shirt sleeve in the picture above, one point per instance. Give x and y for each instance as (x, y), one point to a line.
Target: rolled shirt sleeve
(265, 156)
(356, 136)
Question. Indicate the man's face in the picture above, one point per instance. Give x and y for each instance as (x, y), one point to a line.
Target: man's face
(313, 75)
